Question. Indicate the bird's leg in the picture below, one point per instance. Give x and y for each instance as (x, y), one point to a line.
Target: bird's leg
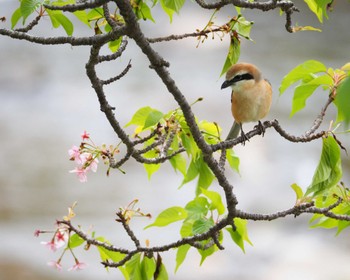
(244, 137)
(261, 128)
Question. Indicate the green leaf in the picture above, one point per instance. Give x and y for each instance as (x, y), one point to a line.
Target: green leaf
(28, 7)
(197, 208)
(243, 27)
(216, 202)
(163, 274)
(319, 8)
(143, 11)
(181, 255)
(114, 45)
(17, 14)
(206, 176)
(298, 191)
(192, 172)
(59, 19)
(234, 52)
(305, 90)
(148, 267)
(75, 241)
(168, 216)
(202, 225)
(83, 17)
(108, 255)
(240, 234)
(232, 159)
(186, 228)
(329, 171)
(178, 162)
(133, 267)
(95, 14)
(153, 118)
(342, 101)
(301, 72)
(145, 117)
(167, 10)
(174, 5)
(151, 169)
(211, 250)
(189, 144)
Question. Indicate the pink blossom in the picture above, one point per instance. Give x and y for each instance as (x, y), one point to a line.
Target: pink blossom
(55, 264)
(81, 173)
(93, 165)
(78, 266)
(51, 245)
(85, 135)
(75, 154)
(37, 232)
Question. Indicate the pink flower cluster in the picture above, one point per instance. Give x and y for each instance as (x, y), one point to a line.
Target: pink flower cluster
(85, 157)
(59, 239)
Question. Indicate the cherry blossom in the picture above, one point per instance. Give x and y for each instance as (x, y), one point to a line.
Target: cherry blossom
(78, 266)
(85, 135)
(81, 173)
(55, 264)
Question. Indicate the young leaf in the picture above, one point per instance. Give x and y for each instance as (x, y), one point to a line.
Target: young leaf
(243, 27)
(75, 240)
(301, 72)
(168, 216)
(114, 45)
(233, 54)
(329, 171)
(167, 10)
(163, 274)
(108, 255)
(319, 8)
(197, 208)
(181, 255)
(342, 101)
(298, 191)
(192, 172)
(17, 14)
(145, 117)
(133, 267)
(178, 162)
(306, 89)
(206, 176)
(59, 19)
(240, 234)
(28, 7)
(143, 11)
(202, 225)
(206, 253)
(216, 202)
(148, 267)
(232, 159)
(174, 5)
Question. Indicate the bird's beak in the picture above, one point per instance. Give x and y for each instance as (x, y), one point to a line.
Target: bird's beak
(226, 84)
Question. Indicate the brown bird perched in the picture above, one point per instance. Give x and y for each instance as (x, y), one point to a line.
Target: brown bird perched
(250, 99)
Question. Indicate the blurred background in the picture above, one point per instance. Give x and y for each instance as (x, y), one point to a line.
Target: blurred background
(47, 102)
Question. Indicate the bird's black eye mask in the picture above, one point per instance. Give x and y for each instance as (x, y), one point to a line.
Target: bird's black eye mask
(237, 78)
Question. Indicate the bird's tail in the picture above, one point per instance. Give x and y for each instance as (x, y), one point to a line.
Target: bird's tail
(234, 131)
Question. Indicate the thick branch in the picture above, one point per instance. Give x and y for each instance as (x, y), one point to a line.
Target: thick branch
(79, 6)
(158, 64)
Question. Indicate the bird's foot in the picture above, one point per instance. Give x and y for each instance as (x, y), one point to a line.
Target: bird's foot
(261, 128)
(243, 136)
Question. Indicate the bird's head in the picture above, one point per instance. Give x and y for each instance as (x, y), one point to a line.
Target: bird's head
(241, 75)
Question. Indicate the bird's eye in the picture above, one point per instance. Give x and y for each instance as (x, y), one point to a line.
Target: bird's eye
(241, 77)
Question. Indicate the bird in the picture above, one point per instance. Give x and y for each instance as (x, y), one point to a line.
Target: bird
(250, 98)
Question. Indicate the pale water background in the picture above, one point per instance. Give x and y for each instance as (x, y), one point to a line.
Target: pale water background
(47, 101)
